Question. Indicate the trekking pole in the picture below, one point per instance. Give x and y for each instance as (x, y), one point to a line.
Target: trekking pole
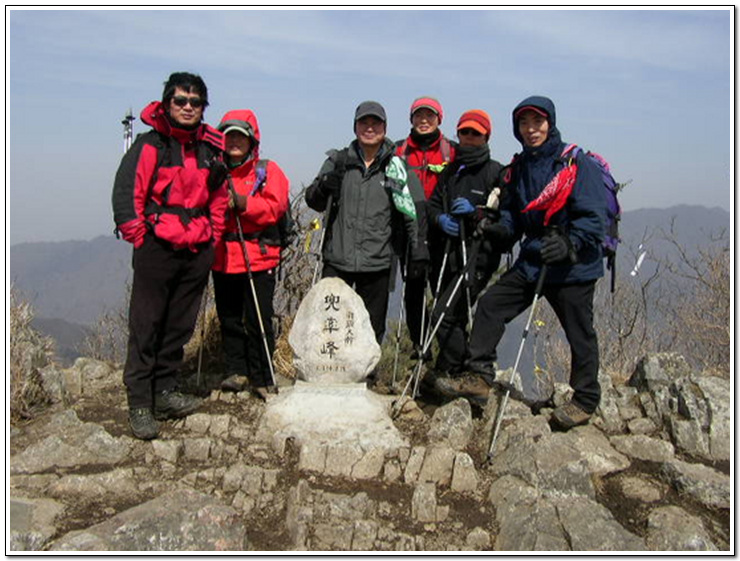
(439, 285)
(465, 266)
(202, 333)
(502, 405)
(319, 259)
(400, 318)
(251, 284)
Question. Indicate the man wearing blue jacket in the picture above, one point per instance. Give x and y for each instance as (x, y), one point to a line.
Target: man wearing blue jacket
(570, 246)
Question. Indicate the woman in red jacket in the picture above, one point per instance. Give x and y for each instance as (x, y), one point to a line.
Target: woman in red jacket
(261, 197)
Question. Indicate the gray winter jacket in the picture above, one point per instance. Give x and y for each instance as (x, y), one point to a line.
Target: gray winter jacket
(364, 228)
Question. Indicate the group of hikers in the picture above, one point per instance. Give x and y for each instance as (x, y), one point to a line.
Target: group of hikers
(195, 201)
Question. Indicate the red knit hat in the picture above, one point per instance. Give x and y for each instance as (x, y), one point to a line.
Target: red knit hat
(428, 103)
(476, 119)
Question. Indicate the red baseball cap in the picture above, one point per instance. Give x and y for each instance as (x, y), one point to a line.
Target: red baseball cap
(428, 103)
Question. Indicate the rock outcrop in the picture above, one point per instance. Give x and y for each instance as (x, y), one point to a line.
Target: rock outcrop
(631, 480)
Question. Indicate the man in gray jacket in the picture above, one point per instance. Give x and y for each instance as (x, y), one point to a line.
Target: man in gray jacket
(376, 212)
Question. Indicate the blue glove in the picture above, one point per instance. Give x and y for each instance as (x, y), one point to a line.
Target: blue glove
(461, 207)
(449, 224)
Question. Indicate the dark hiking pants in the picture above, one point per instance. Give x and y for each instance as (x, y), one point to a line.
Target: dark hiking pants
(241, 336)
(452, 334)
(573, 305)
(165, 298)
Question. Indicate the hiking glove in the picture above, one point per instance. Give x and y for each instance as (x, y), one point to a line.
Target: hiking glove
(418, 269)
(449, 225)
(462, 207)
(555, 248)
(493, 230)
(331, 184)
(217, 175)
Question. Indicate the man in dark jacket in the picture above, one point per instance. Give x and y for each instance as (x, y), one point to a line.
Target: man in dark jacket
(373, 202)
(457, 204)
(570, 248)
(170, 206)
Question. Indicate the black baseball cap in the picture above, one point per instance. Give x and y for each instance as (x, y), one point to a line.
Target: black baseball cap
(370, 108)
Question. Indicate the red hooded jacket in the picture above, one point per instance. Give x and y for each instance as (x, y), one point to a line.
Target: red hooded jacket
(264, 209)
(161, 185)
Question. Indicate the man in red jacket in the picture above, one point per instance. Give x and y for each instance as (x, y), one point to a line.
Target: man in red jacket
(169, 201)
(426, 151)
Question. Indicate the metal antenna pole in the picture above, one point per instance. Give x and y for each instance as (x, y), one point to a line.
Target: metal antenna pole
(128, 130)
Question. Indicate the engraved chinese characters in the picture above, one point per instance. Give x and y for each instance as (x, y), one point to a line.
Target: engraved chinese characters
(332, 338)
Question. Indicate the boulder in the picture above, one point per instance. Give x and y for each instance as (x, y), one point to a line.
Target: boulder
(181, 520)
(671, 528)
(32, 522)
(452, 425)
(704, 484)
(71, 443)
(331, 337)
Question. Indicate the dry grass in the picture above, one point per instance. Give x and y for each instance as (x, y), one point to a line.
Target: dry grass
(29, 352)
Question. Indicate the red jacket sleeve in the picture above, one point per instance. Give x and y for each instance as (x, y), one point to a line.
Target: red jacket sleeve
(131, 190)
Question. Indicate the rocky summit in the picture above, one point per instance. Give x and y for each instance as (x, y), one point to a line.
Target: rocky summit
(651, 472)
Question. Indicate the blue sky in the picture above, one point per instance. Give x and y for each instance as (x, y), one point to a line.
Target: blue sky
(648, 89)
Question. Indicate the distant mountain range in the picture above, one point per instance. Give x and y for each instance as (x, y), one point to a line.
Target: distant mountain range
(71, 283)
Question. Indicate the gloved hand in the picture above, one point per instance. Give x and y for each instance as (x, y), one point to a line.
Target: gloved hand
(418, 269)
(492, 229)
(331, 184)
(462, 207)
(556, 247)
(449, 225)
(217, 175)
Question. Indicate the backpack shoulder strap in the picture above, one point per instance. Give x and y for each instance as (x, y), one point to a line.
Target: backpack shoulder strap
(445, 148)
(509, 170)
(404, 148)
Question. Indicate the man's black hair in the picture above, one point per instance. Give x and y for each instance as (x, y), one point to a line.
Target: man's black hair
(191, 83)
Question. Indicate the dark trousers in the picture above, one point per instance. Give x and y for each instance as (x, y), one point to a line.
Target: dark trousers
(452, 334)
(241, 336)
(165, 298)
(414, 304)
(573, 305)
(372, 287)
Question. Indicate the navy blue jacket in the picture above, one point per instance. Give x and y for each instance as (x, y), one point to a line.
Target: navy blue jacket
(582, 219)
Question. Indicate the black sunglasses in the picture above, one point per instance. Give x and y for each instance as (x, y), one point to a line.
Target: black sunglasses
(465, 132)
(182, 101)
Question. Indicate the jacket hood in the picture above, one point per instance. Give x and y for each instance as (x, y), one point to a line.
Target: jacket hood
(244, 119)
(154, 115)
(541, 103)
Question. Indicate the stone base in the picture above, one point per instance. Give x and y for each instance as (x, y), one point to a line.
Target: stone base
(330, 414)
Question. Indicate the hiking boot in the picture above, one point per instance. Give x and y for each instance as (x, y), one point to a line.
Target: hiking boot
(142, 423)
(471, 387)
(569, 415)
(263, 392)
(235, 383)
(485, 369)
(171, 404)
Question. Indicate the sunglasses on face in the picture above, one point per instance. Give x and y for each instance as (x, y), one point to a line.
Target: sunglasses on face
(182, 101)
(466, 132)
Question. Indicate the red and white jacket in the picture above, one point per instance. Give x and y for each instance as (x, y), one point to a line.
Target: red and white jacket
(418, 159)
(161, 185)
(264, 208)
